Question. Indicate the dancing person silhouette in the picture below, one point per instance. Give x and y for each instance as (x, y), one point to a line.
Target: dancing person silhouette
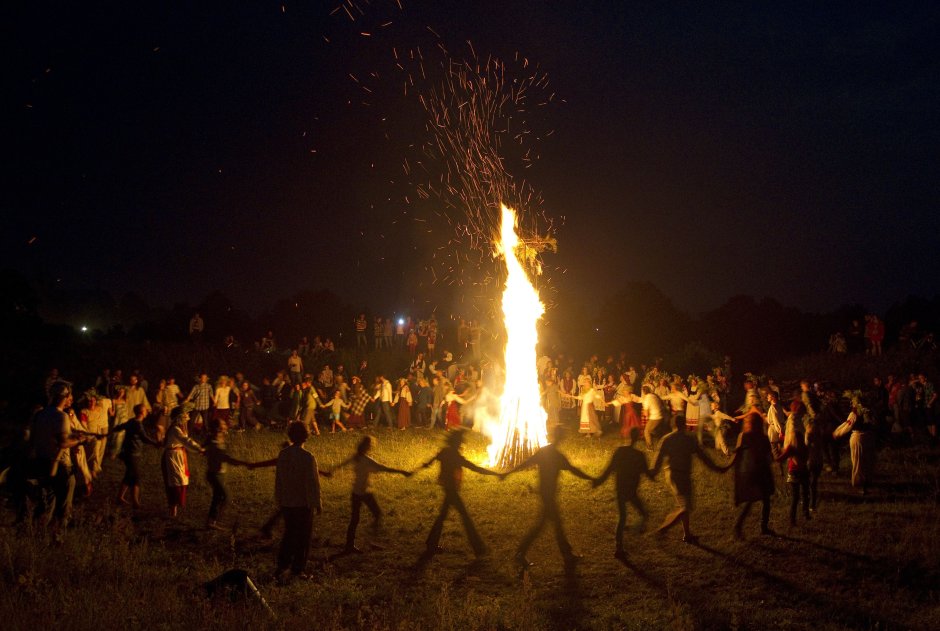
(452, 464)
(627, 464)
(550, 463)
(677, 447)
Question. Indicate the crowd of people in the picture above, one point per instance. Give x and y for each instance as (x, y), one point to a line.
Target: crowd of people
(774, 436)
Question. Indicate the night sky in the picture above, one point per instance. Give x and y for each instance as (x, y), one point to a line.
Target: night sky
(714, 149)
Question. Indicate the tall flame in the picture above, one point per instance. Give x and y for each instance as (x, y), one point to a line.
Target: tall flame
(520, 430)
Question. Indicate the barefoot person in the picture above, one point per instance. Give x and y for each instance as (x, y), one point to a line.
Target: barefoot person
(132, 447)
(627, 464)
(336, 405)
(452, 465)
(363, 467)
(677, 448)
(550, 463)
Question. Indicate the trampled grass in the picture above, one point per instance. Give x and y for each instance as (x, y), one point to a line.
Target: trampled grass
(871, 562)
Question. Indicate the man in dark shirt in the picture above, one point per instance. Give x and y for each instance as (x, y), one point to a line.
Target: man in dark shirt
(678, 448)
(51, 439)
(451, 474)
(627, 464)
(131, 450)
(550, 463)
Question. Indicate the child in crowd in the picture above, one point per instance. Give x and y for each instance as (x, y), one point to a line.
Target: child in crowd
(336, 405)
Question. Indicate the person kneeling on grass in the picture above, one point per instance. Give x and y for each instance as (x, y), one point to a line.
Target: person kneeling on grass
(363, 466)
(677, 447)
(627, 464)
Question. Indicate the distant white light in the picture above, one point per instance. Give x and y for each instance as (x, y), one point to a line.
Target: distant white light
(401, 320)
(84, 329)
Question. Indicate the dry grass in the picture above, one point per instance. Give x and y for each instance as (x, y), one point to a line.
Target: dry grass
(861, 563)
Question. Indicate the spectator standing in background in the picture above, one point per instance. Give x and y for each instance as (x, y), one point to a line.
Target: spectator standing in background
(196, 326)
(361, 324)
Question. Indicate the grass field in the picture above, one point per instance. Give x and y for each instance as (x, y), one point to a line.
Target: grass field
(871, 562)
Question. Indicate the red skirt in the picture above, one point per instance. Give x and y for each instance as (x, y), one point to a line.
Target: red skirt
(176, 495)
(629, 419)
(453, 415)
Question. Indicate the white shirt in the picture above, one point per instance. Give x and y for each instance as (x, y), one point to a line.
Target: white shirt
(774, 427)
(385, 392)
(652, 406)
(221, 398)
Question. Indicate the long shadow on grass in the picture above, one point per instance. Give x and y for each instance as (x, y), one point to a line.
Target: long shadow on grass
(820, 546)
(654, 582)
(706, 612)
(912, 574)
(851, 614)
(567, 599)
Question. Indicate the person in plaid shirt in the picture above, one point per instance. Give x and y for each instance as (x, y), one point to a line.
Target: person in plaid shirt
(358, 400)
(201, 398)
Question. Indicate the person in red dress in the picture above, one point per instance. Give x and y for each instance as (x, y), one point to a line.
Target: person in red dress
(454, 401)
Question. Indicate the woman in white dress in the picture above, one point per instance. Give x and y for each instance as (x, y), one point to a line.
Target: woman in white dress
(589, 425)
(175, 460)
(585, 381)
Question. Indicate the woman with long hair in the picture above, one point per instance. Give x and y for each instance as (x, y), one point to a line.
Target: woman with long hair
(797, 455)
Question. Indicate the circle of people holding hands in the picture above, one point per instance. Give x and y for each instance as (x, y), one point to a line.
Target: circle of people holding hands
(793, 438)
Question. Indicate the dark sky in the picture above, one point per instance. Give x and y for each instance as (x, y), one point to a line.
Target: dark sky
(714, 149)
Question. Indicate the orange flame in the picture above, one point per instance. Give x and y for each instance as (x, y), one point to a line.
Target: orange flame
(520, 429)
